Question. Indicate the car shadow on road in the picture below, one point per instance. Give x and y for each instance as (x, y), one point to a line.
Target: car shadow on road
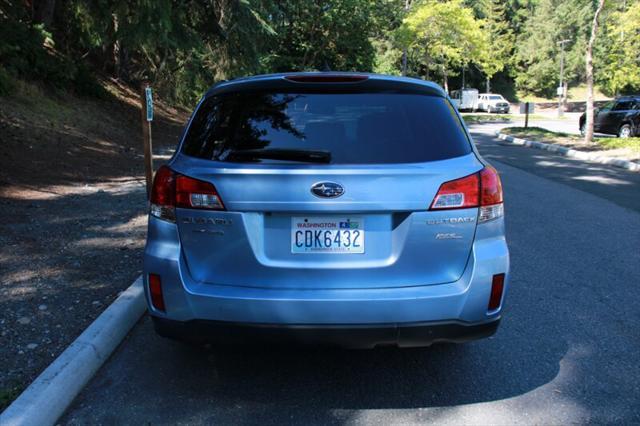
(231, 385)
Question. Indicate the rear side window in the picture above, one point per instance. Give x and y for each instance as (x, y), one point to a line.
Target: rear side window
(623, 106)
(353, 128)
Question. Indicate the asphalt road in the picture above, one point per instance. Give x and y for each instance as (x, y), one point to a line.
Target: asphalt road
(568, 350)
(617, 185)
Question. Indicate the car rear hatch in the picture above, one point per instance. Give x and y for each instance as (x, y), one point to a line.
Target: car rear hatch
(253, 243)
(358, 219)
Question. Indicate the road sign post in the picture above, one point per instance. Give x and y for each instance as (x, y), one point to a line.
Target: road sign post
(526, 108)
(146, 101)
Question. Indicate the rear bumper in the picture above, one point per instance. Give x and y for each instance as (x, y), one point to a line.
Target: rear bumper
(462, 302)
(354, 336)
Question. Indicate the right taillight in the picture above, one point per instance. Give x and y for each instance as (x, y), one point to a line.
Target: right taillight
(491, 206)
(171, 190)
(482, 189)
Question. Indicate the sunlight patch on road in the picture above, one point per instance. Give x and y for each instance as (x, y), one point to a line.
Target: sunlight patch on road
(503, 412)
(550, 403)
(602, 179)
(547, 163)
(108, 242)
(527, 408)
(139, 221)
(24, 282)
(123, 185)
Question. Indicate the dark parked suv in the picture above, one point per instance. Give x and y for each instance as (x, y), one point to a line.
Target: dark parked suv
(619, 117)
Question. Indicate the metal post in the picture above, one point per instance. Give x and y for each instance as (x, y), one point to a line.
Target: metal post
(146, 139)
(560, 94)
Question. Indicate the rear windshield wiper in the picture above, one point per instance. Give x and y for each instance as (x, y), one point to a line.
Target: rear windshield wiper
(300, 155)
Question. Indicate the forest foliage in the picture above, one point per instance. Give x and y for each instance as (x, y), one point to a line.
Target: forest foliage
(184, 46)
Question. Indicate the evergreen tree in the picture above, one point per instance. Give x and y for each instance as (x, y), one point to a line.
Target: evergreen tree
(538, 50)
(617, 58)
(500, 35)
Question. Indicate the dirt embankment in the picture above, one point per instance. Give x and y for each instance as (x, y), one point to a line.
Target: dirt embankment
(73, 207)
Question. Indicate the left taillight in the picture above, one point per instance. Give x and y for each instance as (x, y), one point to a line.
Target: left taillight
(196, 194)
(482, 189)
(171, 190)
(163, 195)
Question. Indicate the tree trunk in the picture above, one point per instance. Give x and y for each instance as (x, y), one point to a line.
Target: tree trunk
(488, 85)
(404, 61)
(407, 4)
(588, 134)
(43, 12)
(115, 49)
(445, 80)
(124, 64)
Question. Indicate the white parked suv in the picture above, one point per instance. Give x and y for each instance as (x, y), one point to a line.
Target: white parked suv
(492, 102)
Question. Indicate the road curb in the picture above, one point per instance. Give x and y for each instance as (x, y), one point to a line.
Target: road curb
(568, 152)
(51, 393)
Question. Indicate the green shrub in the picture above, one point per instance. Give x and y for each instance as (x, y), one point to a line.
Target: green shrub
(84, 83)
(7, 84)
(27, 51)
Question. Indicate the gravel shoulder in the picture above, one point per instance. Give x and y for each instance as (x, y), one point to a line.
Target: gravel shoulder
(73, 201)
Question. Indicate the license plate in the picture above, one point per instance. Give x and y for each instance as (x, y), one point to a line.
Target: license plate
(344, 235)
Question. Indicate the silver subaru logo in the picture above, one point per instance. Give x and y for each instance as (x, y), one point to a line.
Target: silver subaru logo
(327, 189)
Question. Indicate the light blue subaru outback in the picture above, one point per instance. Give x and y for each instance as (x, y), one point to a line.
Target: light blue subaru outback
(331, 208)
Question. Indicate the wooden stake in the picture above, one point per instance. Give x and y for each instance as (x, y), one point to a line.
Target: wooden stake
(526, 115)
(146, 139)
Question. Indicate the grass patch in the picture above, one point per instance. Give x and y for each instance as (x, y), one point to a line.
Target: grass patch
(472, 118)
(535, 132)
(7, 84)
(544, 135)
(615, 143)
(486, 118)
(577, 93)
(35, 98)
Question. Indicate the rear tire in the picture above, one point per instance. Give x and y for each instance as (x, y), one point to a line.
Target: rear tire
(624, 131)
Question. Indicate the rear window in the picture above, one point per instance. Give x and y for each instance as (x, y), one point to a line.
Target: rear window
(353, 128)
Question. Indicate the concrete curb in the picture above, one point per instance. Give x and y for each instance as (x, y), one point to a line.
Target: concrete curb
(51, 393)
(567, 152)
